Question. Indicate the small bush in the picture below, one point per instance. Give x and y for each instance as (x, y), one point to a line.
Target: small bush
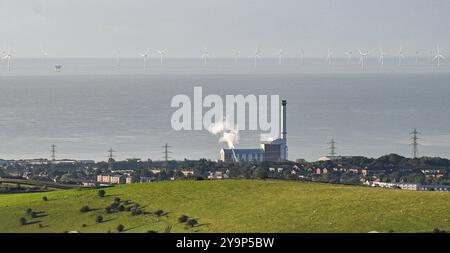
(159, 213)
(183, 219)
(108, 209)
(85, 209)
(115, 205)
(121, 208)
(120, 228)
(126, 202)
(117, 199)
(29, 210)
(84, 225)
(437, 230)
(128, 208)
(101, 193)
(99, 219)
(192, 222)
(22, 221)
(33, 215)
(45, 198)
(136, 211)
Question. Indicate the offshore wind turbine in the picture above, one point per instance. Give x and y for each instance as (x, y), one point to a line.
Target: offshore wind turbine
(329, 58)
(363, 58)
(438, 57)
(301, 55)
(43, 52)
(280, 55)
(145, 57)
(349, 55)
(8, 58)
(257, 56)
(236, 55)
(381, 59)
(401, 56)
(162, 53)
(205, 56)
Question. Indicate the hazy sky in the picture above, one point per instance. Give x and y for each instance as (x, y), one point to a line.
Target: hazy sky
(100, 28)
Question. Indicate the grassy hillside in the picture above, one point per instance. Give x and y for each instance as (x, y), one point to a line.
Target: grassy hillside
(234, 206)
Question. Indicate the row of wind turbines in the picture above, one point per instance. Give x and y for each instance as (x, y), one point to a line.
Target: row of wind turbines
(435, 56)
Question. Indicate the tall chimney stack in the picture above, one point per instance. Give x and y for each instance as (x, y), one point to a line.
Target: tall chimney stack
(283, 103)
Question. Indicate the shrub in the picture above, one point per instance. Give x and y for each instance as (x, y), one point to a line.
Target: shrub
(121, 208)
(115, 205)
(22, 221)
(183, 218)
(108, 209)
(84, 225)
(192, 222)
(126, 202)
(128, 208)
(44, 198)
(99, 219)
(152, 232)
(437, 230)
(159, 213)
(117, 199)
(101, 193)
(120, 228)
(85, 209)
(29, 210)
(136, 211)
(33, 215)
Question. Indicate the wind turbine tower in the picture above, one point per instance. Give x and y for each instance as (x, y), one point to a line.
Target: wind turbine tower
(438, 57)
(162, 53)
(280, 56)
(257, 56)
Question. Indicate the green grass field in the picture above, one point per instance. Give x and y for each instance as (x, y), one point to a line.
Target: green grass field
(234, 206)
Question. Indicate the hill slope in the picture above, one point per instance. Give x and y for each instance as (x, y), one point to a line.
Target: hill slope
(234, 206)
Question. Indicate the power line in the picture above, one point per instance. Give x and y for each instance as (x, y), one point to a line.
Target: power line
(415, 143)
(166, 152)
(110, 158)
(332, 147)
(53, 150)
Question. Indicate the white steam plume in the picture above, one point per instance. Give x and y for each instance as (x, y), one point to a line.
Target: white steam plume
(230, 132)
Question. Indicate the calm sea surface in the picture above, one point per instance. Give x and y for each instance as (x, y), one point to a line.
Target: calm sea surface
(93, 104)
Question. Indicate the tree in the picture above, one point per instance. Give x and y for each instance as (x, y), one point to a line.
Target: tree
(44, 198)
(159, 213)
(22, 221)
(261, 173)
(101, 193)
(99, 219)
(29, 211)
(192, 222)
(120, 228)
(183, 218)
(85, 209)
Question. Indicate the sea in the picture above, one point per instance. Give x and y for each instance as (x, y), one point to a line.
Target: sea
(91, 105)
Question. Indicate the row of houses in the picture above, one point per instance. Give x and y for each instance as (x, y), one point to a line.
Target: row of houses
(409, 186)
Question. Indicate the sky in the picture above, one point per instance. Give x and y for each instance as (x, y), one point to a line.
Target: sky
(105, 28)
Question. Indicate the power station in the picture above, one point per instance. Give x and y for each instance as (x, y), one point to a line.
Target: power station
(274, 151)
